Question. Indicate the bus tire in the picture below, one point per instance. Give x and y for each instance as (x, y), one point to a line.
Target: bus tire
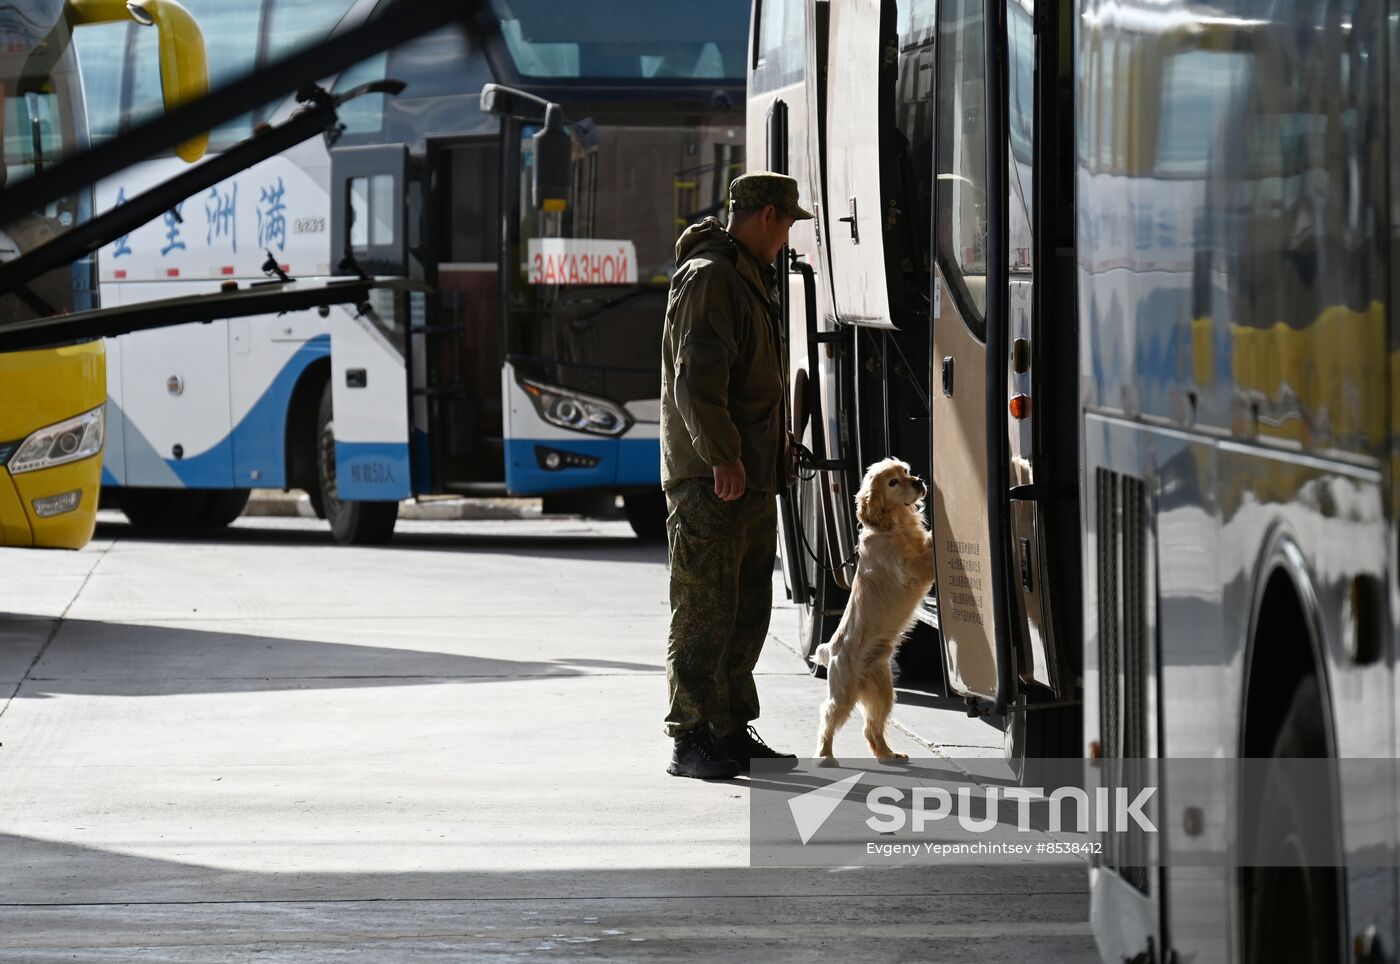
(1056, 733)
(646, 514)
(819, 614)
(353, 523)
(222, 506)
(162, 508)
(1294, 913)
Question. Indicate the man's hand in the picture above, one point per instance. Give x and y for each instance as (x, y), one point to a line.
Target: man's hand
(730, 480)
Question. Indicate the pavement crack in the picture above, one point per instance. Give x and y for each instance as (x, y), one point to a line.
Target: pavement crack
(53, 632)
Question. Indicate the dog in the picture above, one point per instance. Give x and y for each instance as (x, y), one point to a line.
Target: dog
(893, 575)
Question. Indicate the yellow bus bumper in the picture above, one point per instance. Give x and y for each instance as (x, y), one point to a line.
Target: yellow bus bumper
(39, 389)
(21, 523)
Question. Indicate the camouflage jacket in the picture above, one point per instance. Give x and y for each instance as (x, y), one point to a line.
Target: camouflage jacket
(723, 368)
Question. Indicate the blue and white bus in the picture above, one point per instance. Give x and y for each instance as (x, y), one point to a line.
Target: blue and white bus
(530, 363)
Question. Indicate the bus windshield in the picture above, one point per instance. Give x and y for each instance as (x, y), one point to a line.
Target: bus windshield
(42, 117)
(613, 39)
(595, 276)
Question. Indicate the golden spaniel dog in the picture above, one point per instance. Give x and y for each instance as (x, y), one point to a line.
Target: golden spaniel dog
(894, 574)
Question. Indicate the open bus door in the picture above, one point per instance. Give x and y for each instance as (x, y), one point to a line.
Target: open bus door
(963, 550)
(369, 372)
(862, 69)
(996, 460)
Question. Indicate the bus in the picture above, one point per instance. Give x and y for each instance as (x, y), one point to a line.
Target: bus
(529, 366)
(840, 322)
(52, 399)
(1157, 413)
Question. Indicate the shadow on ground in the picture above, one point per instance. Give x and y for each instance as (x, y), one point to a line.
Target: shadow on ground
(63, 901)
(92, 657)
(584, 546)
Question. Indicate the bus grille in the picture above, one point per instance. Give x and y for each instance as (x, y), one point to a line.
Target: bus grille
(1124, 654)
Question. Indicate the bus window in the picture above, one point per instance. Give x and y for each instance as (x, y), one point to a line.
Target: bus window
(782, 48)
(231, 33)
(1020, 123)
(916, 21)
(1020, 42)
(33, 135)
(436, 65)
(359, 212)
(626, 38)
(381, 202)
(364, 114)
(296, 23)
(959, 165)
(371, 212)
(102, 52)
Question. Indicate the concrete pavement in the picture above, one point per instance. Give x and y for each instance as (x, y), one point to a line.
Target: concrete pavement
(264, 745)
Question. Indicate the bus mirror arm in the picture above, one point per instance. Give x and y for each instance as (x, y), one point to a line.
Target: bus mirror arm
(388, 86)
(503, 101)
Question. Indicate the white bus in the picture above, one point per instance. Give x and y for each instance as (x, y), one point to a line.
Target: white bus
(1135, 321)
(531, 364)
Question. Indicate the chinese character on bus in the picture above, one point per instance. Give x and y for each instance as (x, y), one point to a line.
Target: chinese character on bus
(272, 223)
(172, 230)
(219, 214)
(121, 246)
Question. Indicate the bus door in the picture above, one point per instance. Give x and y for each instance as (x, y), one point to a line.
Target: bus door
(860, 191)
(960, 399)
(990, 505)
(458, 355)
(369, 380)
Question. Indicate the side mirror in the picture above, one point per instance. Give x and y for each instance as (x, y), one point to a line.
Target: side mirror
(184, 65)
(554, 147)
(554, 154)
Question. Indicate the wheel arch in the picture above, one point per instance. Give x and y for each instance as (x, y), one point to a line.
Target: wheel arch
(1285, 643)
(299, 430)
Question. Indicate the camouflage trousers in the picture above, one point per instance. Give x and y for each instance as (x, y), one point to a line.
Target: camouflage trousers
(721, 600)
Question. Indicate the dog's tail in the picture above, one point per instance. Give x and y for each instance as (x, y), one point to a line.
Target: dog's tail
(822, 657)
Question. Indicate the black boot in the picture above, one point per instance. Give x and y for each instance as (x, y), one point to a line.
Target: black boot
(747, 745)
(697, 755)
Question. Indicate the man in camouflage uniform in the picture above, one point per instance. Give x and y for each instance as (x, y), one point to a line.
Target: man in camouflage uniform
(723, 458)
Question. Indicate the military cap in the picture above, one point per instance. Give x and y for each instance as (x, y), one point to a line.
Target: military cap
(755, 189)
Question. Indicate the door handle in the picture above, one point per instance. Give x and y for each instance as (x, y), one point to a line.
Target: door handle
(948, 375)
(855, 232)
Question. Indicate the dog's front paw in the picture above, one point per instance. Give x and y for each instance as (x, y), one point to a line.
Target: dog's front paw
(893, 757)
(826, 761)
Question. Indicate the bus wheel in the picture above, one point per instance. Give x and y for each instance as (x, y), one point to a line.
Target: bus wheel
(1293, 913)
(223, 506)
(646, 514)
(352, 523)
(1041, 734)
(163, 508)
(818, 614)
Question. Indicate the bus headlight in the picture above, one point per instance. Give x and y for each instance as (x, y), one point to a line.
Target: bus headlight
(582, 413)
(68, 441)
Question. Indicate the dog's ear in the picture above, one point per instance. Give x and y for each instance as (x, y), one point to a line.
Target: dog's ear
(872, 508)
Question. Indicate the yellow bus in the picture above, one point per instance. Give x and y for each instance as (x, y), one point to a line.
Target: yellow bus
(52, 400)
